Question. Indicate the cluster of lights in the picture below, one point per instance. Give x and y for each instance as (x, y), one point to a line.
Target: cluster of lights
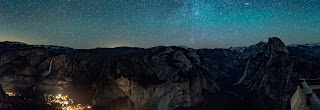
(11, 93)
(65, 102)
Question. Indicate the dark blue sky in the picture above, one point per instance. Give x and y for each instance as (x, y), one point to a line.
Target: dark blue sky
(148, 23)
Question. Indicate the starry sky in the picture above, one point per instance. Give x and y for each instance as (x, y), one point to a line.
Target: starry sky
(149, 23)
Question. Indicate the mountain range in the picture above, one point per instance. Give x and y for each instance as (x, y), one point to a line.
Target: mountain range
(263, 76)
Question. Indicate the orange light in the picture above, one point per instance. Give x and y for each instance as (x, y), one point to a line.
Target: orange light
(64, 101)
(11, 93)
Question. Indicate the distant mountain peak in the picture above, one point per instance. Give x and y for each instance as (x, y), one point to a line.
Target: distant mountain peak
(274, 45)
(305, 45)
(15, 43)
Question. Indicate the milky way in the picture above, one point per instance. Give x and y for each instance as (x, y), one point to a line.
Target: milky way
(148, 23)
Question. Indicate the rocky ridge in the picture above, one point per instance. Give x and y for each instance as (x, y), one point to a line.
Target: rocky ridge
(273, 75)
(160, 78)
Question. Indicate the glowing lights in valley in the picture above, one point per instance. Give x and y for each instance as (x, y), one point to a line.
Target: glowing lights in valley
(65, 102)
(11, 93)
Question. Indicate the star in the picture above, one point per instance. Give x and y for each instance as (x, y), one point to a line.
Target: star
(192, 40)
(149, 23)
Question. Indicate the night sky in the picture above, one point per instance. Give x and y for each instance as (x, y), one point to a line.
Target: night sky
(148, 23)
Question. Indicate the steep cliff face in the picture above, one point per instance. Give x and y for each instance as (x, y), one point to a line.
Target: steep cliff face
(160, 78)
(20, 70)
(274, 46)
(222, 65)
(272, 76)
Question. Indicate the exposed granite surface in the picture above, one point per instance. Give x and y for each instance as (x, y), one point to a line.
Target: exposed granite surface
(160, 78)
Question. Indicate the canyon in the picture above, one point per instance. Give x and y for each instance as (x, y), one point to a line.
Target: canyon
(262, 76)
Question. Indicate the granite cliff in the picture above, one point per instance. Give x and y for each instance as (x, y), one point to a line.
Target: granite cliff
(261, 76)
(271, 77)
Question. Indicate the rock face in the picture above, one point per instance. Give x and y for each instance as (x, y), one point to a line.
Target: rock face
(158, 78)
(5, 103)
(161, 79)
(222, 65)
(272, 76)
(274, 45)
